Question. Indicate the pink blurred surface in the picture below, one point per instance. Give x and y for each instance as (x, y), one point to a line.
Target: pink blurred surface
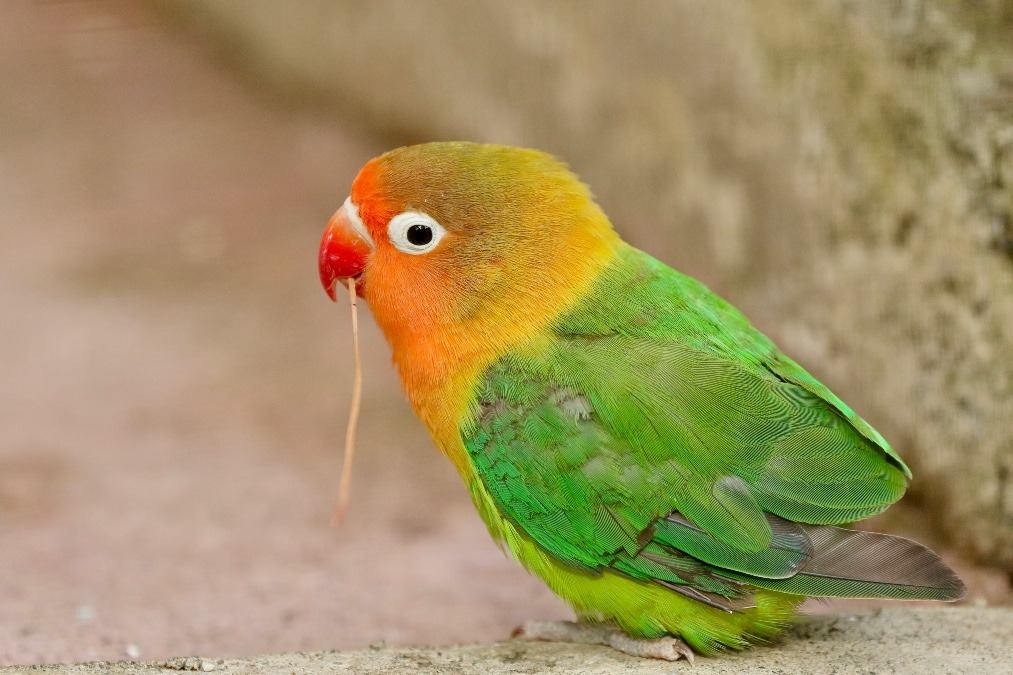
(175, 382)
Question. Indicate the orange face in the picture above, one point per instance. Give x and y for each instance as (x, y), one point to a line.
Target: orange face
(458, 246)
(450, 224)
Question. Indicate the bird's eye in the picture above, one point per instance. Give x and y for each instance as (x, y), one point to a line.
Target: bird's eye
(419, 234)
(414, 232)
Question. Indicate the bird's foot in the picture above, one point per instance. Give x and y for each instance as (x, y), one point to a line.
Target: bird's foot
(666, 648)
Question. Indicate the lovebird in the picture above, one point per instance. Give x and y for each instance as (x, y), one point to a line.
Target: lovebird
(626, 434)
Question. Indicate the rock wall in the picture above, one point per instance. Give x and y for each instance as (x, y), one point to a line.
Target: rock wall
(840, 169)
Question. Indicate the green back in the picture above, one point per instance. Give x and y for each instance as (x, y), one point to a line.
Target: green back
(660, 434)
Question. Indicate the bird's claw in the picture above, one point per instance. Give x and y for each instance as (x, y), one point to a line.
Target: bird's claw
(666, 648)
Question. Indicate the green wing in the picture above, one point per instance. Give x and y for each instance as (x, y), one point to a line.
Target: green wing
(659, 434)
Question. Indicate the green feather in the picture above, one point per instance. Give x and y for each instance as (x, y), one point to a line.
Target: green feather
(655, 433)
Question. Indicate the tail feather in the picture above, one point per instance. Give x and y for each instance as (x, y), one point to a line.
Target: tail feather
(856, 564)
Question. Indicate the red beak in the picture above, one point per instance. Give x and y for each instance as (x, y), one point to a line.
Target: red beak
(343, 251)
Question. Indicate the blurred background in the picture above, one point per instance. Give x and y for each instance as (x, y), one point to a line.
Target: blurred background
(174, 383)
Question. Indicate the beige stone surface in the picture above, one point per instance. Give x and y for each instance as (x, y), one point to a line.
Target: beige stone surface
(890, 642)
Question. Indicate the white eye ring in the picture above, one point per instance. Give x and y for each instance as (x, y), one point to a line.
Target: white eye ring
(414, 232)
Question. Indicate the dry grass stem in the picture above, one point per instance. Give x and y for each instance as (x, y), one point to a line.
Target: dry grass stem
(353, 416)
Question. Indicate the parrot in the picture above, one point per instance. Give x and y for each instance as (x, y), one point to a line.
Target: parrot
(625, 434)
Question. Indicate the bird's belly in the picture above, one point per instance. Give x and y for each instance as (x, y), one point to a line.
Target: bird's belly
(641, 608)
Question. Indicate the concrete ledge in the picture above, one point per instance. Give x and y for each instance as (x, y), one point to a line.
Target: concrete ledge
(917, 640)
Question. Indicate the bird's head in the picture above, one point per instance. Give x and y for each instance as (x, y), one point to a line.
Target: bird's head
(464, 235)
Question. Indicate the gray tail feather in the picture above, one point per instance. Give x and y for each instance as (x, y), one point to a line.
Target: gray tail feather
(856, 564)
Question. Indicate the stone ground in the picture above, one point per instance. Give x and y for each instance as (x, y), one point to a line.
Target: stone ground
(175, 384)
(966, 640)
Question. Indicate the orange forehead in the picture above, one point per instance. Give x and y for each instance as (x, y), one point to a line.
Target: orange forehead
(369, 194)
